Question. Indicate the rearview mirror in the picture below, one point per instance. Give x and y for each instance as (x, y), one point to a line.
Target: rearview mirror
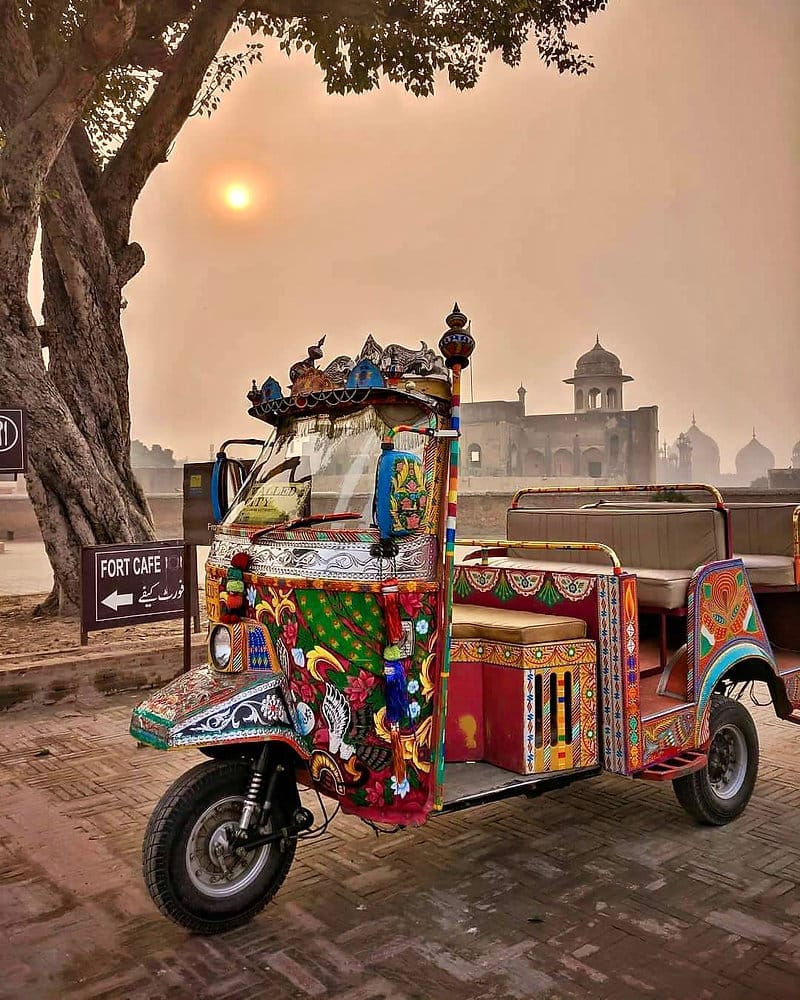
(401, 497)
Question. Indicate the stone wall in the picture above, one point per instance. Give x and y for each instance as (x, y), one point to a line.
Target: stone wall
(18, 521)
(480, 514)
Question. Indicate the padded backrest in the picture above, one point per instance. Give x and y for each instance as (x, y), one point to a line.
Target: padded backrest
(660, 538)
(762, 529)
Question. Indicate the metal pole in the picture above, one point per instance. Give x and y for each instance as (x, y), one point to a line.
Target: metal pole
(187, 608)
(456, 346)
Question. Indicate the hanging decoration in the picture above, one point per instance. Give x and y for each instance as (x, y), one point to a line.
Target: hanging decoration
(232, 601)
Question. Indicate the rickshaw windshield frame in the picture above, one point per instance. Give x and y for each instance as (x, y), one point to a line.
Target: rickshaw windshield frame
(322, 464)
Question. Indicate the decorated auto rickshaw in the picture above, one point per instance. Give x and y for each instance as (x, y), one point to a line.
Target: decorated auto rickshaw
(353, 652)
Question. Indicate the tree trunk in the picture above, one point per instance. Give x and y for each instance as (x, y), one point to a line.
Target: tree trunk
(97, 500)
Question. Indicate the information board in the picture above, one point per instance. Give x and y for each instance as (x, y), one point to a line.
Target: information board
(13, 446)
(131, 584)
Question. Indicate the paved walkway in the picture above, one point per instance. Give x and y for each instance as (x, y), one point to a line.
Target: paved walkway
(601, 890)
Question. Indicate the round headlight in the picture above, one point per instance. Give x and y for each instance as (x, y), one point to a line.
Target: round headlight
(219, 646)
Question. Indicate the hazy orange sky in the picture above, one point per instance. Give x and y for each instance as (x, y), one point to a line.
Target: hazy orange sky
(655, 202)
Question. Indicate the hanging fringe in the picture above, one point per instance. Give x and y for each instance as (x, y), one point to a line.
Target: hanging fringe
(391, 611)
(398, 760)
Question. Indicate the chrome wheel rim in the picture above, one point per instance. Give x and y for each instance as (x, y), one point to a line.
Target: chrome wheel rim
(214, 867)
(727, 761)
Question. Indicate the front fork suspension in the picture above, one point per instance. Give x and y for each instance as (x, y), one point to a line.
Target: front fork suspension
(256, 812)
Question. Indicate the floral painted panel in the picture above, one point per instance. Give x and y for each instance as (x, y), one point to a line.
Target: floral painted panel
(330, 645)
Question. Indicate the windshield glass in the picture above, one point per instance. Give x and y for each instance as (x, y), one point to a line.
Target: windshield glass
(321, 465)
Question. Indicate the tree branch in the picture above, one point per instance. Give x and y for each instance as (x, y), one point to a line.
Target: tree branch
(56, 98)
(17, 65)
(163, 116)
(364, 11)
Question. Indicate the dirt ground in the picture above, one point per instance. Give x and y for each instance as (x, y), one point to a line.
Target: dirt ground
(21, 633)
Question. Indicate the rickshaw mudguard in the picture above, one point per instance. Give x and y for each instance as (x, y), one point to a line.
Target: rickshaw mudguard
(207, 708)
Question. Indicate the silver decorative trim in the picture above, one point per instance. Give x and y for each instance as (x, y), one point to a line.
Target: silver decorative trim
(328, 560)
(263, 705)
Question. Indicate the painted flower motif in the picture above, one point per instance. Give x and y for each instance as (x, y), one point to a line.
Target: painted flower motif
(252, 596)
(412, 521)
(290, 634)
(413, 710)
(412, 486)
(413, 686)
(407, 504)
(358, 688)
(305, 692)
(422, 627)
(374, 792)
(411, 603)
(400, 788)
(299, 657)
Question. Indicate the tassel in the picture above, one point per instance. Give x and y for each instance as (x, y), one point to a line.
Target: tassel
(396, 690)
(391, 611)
(398, 759)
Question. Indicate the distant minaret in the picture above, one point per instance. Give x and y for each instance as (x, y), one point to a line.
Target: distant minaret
(522, 393)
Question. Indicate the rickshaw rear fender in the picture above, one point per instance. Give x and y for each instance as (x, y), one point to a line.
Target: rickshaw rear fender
(754, 669)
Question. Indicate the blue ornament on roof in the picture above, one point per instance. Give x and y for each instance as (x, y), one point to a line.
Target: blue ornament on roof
(365, 375)
(270, 390)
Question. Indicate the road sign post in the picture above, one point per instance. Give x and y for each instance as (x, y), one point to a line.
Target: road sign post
(133, 584)
(13, 441)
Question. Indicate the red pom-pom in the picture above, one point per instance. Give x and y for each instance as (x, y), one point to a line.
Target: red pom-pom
(234, 602)
(227, 619)
(241, 560)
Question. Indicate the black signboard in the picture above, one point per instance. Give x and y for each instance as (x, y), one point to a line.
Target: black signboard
(13, 446)
(197, 512)
(132, 584)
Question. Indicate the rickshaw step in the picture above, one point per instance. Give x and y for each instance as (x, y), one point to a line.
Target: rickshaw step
(794, 717)
(675, 767)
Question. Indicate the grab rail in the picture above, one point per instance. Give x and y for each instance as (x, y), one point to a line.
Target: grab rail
(670, 488)
(484, 544)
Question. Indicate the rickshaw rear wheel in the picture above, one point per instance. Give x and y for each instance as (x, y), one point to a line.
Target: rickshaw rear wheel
(193, 874)
(720, 791)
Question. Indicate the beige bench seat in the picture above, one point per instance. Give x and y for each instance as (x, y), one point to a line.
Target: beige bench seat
(768, 571)
(662, 546)
(523, 628)
(763, 540)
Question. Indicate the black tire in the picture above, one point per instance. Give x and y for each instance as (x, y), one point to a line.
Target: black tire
(721, 790)
(185, 893)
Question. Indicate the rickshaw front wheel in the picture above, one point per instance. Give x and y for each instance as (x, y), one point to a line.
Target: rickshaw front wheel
(720, 791)
(194, 872)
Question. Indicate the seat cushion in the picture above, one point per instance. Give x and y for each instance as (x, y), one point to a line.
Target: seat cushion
(519, 627)
(769, 571)
(656, 588)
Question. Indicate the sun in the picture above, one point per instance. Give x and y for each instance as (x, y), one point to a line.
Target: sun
(237, 197)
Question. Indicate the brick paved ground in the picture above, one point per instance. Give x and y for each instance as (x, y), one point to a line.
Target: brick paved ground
(602, 890)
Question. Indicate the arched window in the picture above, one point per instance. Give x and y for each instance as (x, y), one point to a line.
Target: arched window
(595, 399)
(579, 399)
(534, 463)
(475, 456)
(563, 463)
(593, 463)
(611, 399)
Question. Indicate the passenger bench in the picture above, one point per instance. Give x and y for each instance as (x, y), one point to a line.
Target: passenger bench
(662, 547)
(764, 539)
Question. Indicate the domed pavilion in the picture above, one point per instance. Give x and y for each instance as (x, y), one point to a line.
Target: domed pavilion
(598, 380)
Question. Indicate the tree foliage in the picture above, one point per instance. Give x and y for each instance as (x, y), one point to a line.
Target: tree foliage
(355, 43)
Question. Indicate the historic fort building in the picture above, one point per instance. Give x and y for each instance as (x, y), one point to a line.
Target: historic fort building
(599, 439)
